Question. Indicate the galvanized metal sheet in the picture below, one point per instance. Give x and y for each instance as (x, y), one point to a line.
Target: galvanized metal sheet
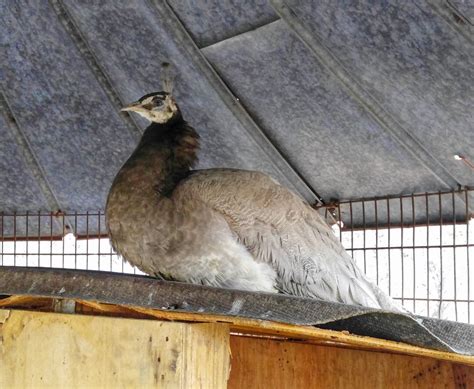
(411, 61)
(463, 8)
(74, 131)
(130, 45)
(63, 60)
(17, 184)
(321, 129)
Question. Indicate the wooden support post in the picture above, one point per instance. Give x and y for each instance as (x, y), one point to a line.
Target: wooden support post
(39, 349)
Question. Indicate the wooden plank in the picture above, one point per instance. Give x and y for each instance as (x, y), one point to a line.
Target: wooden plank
(107, 352)
(307, 333)
(154, 294)
(268, 328)
(4, 314)
(270, 363)
(463, 376)
(58, 350)
(19, 300)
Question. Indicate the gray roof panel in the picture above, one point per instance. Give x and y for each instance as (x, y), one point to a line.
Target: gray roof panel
(130, 46)
(463, 8)
(304, 109)
(17, 183)
(71, 126)
(211, 21)
(361, 100)
(414, 64)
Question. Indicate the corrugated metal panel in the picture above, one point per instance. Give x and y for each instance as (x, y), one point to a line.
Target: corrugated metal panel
(18, 184)
(462, 8)
(131, 46)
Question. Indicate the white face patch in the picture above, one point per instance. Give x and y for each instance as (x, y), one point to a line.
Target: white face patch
(157, 114)
(148, 100)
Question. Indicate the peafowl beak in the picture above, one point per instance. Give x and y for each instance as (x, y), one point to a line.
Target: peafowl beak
(132, 107)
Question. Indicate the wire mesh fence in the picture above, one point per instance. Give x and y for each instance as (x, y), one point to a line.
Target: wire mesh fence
(417, 248)
(59, 240)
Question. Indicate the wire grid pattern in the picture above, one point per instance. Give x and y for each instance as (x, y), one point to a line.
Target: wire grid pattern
(426, 266)
(58, 240)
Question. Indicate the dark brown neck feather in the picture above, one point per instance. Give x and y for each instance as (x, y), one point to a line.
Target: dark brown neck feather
(169, 149)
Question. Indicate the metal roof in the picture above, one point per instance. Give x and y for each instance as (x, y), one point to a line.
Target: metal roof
(336, 99)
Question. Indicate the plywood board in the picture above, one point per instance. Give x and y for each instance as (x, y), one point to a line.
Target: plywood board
(70, 351)
(269, 363)
(269, 328)
(246, 326)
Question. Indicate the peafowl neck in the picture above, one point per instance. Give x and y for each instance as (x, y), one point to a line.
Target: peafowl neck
(165, 155)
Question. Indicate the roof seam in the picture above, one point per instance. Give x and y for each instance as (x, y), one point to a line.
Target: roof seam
(256, 27)
(29, 156)
(364, 98)
(87, 54)
(233, 104)
(445, 11)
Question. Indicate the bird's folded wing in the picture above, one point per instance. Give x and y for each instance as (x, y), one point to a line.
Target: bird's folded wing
(280, 228)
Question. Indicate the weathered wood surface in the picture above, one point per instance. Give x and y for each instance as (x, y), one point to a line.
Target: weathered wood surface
(270, 363)
(307, 334)
(149, 293)
(58, 350)
(41, 349)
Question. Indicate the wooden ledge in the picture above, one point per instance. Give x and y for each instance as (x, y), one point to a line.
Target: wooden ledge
(239, 326)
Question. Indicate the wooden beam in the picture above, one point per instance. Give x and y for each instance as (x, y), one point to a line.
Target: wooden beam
(260, 327)
(40, 349)
(27, 302)
(267, 328)
(270, 363)
(16, 300)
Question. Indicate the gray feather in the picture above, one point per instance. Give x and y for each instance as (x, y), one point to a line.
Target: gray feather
(279, 228)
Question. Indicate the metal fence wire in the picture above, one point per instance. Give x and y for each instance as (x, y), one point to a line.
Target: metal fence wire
(417, 248)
